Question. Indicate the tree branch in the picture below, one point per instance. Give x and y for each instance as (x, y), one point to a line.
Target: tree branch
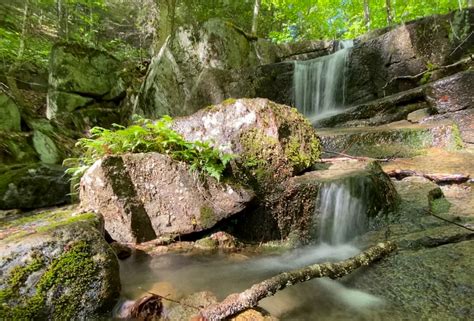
(435, 177)
(238, 302)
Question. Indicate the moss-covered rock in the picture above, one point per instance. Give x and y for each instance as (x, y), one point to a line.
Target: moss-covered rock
(10, 119)
(16, 148)
(33, 186)
(56, 266)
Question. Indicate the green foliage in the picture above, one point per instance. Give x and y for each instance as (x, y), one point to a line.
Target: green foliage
(147, 136)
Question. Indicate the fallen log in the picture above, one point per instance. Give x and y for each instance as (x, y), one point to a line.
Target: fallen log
(238, 302)
(435, 177)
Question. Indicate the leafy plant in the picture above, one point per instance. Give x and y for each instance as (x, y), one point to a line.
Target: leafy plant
(144, 136)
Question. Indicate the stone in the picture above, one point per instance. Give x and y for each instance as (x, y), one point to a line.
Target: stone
(407, 50)
(56, 265)
(272, 141)
(121, 250)
(295, 208)
(419, 115)
(45, 148)
(33, 186)
(16, 148)
(393, 140)
(10, 119)
(82, 78)
(452, 94)
(145, 196)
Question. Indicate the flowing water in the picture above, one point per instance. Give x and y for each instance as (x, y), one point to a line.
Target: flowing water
(342, 216)
(319, 84)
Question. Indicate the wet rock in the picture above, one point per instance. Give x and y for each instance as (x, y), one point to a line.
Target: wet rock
(9, 114)
(393, 140)
(82, 77)
(33, 186)
(121, 250)
(145, 196)
(407, 50)
(272, 141)
(56, 266)
(452, 93)
(218, 240)
(464, 120)
(296, 209)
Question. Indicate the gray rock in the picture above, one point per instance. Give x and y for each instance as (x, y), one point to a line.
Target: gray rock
(56, 266)
(145, 196)
(453, 93)
(33, 186)
(9, 114)
(419, 115)
(46, 148)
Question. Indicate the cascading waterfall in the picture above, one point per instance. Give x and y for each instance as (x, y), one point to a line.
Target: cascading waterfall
(342, 209)
(319, 84)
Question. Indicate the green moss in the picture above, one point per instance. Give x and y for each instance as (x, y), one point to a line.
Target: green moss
(456, 133)
(229, 101)
(72, 270)
(207, 217)
(440, 206)
(299, 156)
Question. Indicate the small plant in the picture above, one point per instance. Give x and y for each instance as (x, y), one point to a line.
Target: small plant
(144, 136)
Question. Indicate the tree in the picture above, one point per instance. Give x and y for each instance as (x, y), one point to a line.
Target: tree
(256, 10)
(388, 7)
(367, 14)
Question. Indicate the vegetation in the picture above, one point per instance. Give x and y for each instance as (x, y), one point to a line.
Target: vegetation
(147, 136)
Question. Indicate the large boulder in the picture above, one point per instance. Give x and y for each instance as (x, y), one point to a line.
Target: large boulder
(273, 141)
(33, 186)
(56, 266)
(408, 50)
(82, 78)
(16, 148)
(145, 196)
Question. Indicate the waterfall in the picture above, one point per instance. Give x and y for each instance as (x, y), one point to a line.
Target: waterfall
(342, 210)
(319, 84)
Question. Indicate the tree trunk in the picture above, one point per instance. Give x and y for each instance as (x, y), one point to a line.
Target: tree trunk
(388, 7)
(256, 10)
(367, 14)
(167, 10)
(62, 20)
(238, 302)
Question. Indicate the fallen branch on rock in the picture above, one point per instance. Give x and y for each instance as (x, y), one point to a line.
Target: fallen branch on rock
(238, 302)
(437, 178)
(410, 77)
(347, 156)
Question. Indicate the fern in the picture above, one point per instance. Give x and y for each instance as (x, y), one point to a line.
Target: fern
(144, 136)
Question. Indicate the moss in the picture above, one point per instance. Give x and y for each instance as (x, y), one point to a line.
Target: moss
(229, 101)
(440, 206)
(457, 138)
(299, 156)
(72, 270)
(207, 217)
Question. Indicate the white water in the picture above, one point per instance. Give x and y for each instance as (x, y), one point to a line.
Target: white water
(319, 84)
(342, 209)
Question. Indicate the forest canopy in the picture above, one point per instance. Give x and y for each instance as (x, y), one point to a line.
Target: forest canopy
(135, 29)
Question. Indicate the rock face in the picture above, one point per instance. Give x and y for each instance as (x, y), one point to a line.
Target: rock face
(56, 266)
(271, 140)
(407, 50)
(144, 196)
(297, 209)
(85, 86)
(33, 186)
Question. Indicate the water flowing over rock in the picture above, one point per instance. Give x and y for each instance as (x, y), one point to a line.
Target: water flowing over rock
(56, 266)
(145, 196)
(319, 84)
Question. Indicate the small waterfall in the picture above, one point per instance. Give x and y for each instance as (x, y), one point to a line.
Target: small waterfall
(342, 209)
(319, 84)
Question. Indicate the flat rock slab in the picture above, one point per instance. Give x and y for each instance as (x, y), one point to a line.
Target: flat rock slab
(400, 139)
(145, 196)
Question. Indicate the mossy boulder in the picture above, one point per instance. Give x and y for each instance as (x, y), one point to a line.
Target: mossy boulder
(17, 148)
(56, 266)
(10, 119)
(33, 186)
(82, 78)
(272, 142)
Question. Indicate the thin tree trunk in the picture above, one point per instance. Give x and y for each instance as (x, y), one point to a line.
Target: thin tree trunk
(238, 302)
(388, 7)
(256, 10)
(470, 3)
(167, 21)
(367, 14)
